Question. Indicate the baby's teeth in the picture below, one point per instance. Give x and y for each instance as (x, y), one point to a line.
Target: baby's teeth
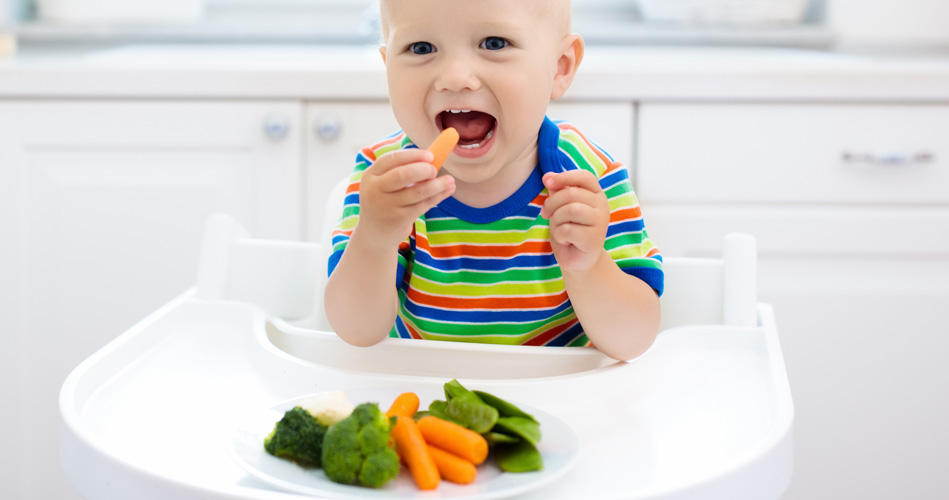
(456, 111)
(478, 145)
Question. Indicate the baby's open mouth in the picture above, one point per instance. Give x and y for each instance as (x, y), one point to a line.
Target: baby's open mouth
(474, 127)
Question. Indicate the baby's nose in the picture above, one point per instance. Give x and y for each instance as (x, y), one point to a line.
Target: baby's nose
(456, 75)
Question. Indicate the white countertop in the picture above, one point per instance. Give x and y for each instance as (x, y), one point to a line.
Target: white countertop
(356, 72)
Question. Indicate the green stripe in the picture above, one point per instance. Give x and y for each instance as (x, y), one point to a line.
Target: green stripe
(475, 276)
(512, 224)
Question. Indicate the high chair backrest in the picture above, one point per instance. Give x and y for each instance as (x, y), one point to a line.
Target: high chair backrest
(287, 278)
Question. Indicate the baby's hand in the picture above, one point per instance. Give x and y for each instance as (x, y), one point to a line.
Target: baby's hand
(579, 215)
(398, 188)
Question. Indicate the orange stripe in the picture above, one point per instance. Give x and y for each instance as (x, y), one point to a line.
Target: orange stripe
(605, 159)
(525, 302)
(628, 213)
(353, 187)
(613, 166)
(455, 250)
(652, 251)
(370, 151)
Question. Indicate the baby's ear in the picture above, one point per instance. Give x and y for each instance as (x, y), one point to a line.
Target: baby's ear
(567, 65)
(382, 51)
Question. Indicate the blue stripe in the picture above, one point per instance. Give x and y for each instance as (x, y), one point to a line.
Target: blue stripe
(483, 316)
(567, 336)
(476, 264)
(400, 329)
(333, 261)
(625, 227)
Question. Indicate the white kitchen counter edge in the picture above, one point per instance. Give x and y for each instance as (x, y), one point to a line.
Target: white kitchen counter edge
(348, 72)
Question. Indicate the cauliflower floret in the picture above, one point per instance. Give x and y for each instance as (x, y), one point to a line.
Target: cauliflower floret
(328, 407)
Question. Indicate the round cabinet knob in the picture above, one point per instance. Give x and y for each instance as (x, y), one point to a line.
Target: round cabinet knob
(328, 127)
(277, 127)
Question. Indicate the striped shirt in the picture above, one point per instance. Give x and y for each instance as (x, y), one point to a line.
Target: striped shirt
(489, 274)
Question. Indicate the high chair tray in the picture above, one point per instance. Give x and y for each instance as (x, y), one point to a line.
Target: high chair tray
(705, 414)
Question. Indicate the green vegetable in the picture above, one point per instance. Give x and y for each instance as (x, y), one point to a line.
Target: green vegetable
(464, 407)
(359, 449)
(518, 457)
(471, 413)
(519, 426)
(454, 389)
(298, 436)
(504, 408)
(494, 438)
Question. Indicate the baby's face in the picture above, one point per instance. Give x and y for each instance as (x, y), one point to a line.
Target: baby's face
(485, 67)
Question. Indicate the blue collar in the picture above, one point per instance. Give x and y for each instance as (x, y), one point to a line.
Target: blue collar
(548, 161)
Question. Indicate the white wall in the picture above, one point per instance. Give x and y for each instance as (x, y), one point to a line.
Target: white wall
(890, 23)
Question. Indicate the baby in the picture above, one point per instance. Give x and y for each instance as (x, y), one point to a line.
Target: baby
(530, 234)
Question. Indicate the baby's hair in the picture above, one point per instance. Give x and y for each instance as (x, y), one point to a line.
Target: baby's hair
(561, 10)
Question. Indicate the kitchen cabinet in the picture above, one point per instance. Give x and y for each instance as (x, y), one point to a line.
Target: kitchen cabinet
(849, 204)
(103, 208)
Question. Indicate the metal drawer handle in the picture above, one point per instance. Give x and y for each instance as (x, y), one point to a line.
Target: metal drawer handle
(889, 160)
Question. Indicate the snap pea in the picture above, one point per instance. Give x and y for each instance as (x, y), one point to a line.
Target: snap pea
(494, 438)
(519, 426)
(505, 408)
(472, 414)
(518, 457)
(454, 389)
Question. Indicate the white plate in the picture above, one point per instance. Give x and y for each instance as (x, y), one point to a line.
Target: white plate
(558, 446)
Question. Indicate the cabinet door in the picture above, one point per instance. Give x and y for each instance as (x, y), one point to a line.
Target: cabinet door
(339, 129)
(851, 256)
(103, 212)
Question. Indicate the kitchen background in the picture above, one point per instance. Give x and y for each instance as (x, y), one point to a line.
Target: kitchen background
(101, 219)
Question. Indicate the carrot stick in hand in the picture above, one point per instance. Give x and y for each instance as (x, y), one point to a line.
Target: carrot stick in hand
(452, 467)
(404, 405)
(412, 449)
(454, 438)
(441, 148)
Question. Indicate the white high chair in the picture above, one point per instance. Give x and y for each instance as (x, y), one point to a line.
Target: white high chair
(163, 410)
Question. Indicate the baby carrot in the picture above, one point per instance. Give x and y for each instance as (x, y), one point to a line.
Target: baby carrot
(454, 438)
(412, 449)
(404, 405)
(452, 467)
(444, 143)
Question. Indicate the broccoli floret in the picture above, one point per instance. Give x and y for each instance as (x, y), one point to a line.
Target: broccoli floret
(298, 436)
(359, 449)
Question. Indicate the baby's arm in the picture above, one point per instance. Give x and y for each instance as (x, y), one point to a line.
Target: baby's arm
(619, 312)
(361, 301)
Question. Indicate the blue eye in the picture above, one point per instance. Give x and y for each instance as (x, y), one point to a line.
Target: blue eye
(421, 48)
(494, 43)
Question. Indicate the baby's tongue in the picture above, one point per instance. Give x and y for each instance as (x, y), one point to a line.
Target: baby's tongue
(471, 126)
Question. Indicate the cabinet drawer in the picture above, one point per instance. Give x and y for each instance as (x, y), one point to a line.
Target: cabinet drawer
(794, 153)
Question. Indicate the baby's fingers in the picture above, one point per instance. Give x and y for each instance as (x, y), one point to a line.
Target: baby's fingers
(571, 178)
(426, 194)
(403, 167)
(568, 196)
(575, 213)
